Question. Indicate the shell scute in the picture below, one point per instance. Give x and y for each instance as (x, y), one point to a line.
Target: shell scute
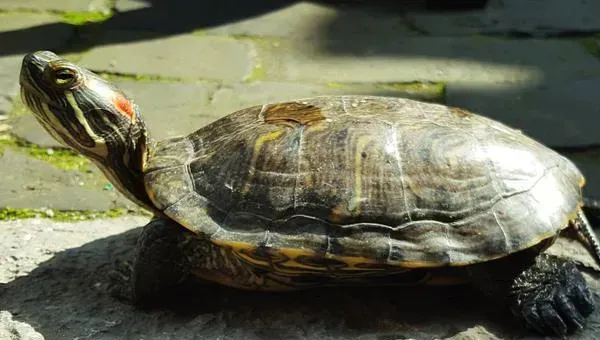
(367, 181)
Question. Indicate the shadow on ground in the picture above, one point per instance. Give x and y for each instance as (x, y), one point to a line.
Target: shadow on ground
(76, 280)
(161, 18)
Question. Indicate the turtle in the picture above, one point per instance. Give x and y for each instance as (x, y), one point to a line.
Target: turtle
(332, 190)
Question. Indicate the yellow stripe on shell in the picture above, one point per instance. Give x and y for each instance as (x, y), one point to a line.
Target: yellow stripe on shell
(256, 153)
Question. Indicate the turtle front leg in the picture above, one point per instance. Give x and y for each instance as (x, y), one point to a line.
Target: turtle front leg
(160, 262)
(548, 294)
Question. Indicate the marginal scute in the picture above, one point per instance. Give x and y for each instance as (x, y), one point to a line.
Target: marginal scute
(370, 182)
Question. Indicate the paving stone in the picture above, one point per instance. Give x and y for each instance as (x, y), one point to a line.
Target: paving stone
(468, 60)
(35, 184)
(589, 164)
(20, 34)
(171, 109)
(66, 265)
(62, 5)
(311, 21)
(130, 5)
(11, 329)
(538, 18)
(27, 128)
(230, 99)
(181, 56)
(558, 113)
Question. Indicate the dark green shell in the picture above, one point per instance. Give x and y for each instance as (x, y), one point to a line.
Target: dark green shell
(361, 182)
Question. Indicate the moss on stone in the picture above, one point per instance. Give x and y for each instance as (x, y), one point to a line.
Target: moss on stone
(60, 158)
(434, 89)
(258, 72)
(8, 213)
(112, 76)
(592, 45)
(82, 18)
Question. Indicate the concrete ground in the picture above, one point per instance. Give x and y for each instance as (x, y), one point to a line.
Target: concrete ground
(188, 63)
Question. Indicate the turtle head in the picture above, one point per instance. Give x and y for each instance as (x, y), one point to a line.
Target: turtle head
(87, 113)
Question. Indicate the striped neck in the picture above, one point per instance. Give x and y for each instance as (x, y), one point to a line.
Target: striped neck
(91, 115)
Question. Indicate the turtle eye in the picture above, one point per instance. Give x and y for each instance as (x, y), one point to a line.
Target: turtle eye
(64, 77)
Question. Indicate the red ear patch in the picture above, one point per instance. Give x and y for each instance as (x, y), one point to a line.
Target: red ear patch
(124, 106)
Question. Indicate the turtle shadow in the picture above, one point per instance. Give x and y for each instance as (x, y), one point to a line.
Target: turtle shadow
(67, 297)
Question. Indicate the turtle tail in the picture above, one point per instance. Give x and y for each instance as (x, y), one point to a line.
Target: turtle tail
(586, 233)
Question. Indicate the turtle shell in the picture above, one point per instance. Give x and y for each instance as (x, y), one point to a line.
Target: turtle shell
(357, 182)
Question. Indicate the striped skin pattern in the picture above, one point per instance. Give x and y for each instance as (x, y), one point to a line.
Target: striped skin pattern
(82, 111)
(321, 190)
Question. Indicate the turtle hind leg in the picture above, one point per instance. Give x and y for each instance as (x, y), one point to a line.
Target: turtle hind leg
(546, 293)
(160, 263)
(587, 235)
(551, 296)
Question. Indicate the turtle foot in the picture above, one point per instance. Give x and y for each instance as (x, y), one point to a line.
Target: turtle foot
(552, 297)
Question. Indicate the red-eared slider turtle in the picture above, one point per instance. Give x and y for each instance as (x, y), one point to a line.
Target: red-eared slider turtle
(332, 190)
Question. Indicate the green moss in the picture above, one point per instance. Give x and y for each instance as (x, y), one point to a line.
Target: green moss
(59, 215)
(258, 72)
(60, 158)
(432, 88)
(592, 45)
(82, 18)
(138, 77)
(69, 17)
(435, 90)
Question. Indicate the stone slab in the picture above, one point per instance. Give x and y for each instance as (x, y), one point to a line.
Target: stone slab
(589, 164)
(15, 330)
(34, 184)
(66, 266)
(172, 109)
(26, 127)
(21, 33)
(179, 56)
(230, 99)
(169, 109)
(473, 60)
(62, 5)
(305, 20)
(558, 113)
(131, 5)
(550, 17)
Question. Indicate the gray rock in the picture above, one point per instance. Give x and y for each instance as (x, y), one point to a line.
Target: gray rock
(34, 184)
(550, 17)
(475, 333)
(559, 113)
(311, 21)
(472, 60)
(180, 56)
(14, 330)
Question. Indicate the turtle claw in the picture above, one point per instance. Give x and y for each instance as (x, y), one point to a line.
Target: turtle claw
(552, 297)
